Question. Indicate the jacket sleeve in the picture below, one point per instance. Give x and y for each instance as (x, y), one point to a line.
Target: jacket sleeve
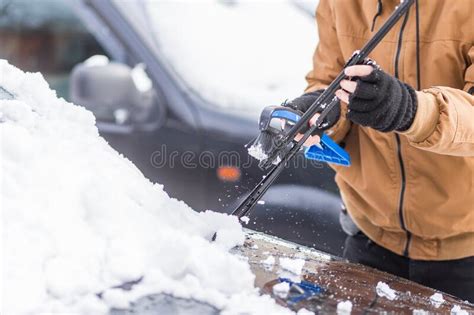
(328, 61)
(444, 122)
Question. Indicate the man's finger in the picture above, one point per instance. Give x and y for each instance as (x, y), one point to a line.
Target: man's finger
(343, 96)
(313, 120)
(312, 140)
(358, 71)
(349, 86)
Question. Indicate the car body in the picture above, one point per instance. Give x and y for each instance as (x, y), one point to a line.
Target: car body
(333, 279)
(193, 147)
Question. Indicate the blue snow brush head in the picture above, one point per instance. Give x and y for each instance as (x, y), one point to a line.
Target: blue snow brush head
(275, 122)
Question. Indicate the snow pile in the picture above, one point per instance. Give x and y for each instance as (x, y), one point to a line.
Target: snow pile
(79, 219)
(344, 308)
(291, 268)
(456, 310)
(281, 289)
(383, 290)
(294, 266)
(436, 299)
(268, 263)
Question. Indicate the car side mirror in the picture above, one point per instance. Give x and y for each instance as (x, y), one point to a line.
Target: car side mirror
(111, 92)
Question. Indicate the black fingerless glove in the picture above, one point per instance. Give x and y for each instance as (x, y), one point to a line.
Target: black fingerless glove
(382, 102)
(304, 102)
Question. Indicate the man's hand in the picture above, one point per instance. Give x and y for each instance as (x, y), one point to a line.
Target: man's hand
(378, 100)
(312, 140)
(303, 103)
(349, 87)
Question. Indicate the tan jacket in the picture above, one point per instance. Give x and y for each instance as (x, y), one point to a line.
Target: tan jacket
(410, 192)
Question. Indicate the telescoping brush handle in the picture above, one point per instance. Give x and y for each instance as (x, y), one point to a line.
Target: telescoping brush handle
(358, 58)
(328, 101)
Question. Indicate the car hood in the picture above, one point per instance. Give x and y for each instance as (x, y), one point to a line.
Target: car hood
(331, 279)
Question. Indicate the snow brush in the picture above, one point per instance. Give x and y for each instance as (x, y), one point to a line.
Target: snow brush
(284, 147)
(275, 123)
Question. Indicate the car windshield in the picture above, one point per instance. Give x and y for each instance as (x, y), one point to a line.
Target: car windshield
(238, 55)
(166, 304)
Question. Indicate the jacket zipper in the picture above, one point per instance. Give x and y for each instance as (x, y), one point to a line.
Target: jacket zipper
(399, 148)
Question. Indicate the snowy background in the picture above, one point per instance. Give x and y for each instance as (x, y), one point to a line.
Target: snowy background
(238, 55)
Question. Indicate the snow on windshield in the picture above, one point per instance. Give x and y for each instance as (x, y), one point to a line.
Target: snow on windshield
(238, 55)
(79, 219)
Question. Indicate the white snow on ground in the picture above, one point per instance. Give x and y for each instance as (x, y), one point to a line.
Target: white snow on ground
(79, 219)
(383, 290)
(268, 262)
(291, 268)
(436, 299)
(241, 55)
(344, 308)
(304, 311)
(292, 265)
(457, 310)
(281, 289)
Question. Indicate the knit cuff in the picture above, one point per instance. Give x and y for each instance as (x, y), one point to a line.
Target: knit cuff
(410, 113)
(426, 118)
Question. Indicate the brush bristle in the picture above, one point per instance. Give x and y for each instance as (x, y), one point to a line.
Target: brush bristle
(267, 141)
(265, 148)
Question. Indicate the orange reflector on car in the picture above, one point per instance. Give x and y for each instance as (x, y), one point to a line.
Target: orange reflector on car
(228, 173)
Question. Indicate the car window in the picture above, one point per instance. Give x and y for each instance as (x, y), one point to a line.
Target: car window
(45, 36)
(238, 55)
